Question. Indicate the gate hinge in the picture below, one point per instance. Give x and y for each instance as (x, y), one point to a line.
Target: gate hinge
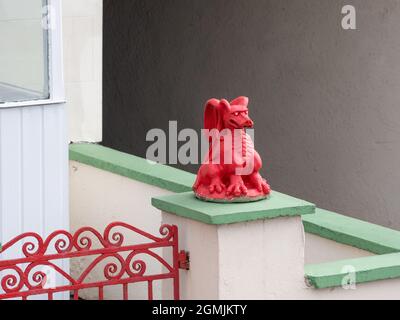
(184, 261)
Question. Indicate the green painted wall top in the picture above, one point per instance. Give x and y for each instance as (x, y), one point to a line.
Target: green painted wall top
(187, 205)
(366, 269)
(354, 232)
(131, 166)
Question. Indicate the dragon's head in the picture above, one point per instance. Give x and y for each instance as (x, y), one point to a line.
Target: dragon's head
(221, 114)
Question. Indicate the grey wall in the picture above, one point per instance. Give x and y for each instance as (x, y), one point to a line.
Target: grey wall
(326, 101)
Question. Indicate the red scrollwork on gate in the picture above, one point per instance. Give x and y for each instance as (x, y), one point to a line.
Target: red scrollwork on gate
(23, 276)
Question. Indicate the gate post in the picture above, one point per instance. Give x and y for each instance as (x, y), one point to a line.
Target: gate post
(240, 250)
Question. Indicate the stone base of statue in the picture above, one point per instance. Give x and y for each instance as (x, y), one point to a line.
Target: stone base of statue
(252, 195)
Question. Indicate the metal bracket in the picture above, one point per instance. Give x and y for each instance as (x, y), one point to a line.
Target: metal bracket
(184, 260)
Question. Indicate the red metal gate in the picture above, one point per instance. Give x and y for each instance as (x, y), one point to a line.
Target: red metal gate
(24, 277)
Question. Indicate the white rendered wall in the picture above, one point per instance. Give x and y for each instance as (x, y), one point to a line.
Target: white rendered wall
(201, 240)
(97, 198)
(83, 40)
(262, 259)
(320, 250)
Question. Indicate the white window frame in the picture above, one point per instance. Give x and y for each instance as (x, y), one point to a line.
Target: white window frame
(55, 62)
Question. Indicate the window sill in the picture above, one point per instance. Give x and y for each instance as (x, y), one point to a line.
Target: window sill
(31, 103)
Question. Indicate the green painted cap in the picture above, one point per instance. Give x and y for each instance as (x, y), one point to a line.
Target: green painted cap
(188, 206)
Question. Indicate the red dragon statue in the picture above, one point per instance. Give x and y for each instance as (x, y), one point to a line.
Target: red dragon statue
(230, 172)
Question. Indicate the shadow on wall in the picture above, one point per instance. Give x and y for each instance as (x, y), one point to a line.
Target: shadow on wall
(324, 99)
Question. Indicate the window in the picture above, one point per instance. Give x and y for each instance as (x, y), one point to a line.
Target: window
(24, 71)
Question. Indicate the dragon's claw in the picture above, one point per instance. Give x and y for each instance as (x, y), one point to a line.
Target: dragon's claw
(216, 186)
(237, 189)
